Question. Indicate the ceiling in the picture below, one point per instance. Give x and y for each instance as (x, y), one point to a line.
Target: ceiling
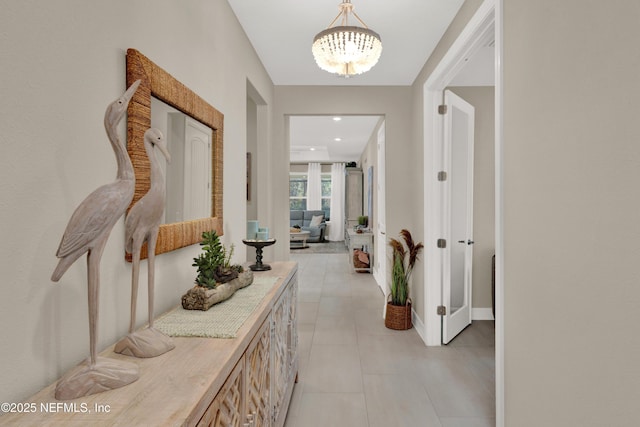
(282, 31)
(313, 138)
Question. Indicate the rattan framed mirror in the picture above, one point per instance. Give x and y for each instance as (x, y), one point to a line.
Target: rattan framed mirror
(158, 83)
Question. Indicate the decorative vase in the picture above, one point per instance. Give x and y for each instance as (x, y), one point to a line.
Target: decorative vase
(398, 316)
(252, 229)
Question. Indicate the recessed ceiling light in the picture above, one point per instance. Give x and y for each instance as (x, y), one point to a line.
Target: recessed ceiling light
(312, 149)
(337, 139)
(337, 119)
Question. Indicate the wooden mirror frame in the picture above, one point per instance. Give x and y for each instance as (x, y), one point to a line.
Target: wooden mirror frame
(154, 81)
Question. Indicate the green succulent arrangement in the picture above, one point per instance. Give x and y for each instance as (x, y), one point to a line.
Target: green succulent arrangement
(214, 263)
(403, 266)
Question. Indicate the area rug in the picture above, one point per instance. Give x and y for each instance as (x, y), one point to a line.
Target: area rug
(222, 320)
(322, 248)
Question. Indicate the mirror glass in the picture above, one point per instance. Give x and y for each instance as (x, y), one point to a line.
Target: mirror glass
(188, 176)
(184, 225)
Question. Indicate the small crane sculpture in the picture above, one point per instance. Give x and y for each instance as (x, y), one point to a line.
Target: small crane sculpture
(142, 224)
(87, 232)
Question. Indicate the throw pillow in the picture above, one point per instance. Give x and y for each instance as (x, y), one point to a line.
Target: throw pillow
(316, 220)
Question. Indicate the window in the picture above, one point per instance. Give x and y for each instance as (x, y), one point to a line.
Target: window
(298, 182)
(326, 195)
(297, 191)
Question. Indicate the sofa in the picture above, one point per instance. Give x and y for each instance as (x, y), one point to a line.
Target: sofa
(302, 219)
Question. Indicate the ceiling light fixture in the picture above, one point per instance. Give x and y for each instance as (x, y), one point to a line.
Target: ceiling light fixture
(346, 50)
(337, 119)
(337, 139)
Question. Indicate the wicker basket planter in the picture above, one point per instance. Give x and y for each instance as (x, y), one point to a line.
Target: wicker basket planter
(398, 316)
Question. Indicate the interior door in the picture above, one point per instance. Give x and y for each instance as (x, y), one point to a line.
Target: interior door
(197, 170)
(380, 242)
(458, 215)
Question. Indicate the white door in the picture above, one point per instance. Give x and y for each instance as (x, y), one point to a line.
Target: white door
(458, 215)
(197, 170)
(380, 243)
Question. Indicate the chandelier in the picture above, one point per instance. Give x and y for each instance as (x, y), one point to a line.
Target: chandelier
(346, 50)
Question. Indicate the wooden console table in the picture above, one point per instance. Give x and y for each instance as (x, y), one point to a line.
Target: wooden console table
(246, 380)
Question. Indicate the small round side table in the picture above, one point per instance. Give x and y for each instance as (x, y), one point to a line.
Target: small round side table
(259, 244)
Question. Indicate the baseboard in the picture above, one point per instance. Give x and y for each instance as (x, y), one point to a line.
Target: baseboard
(482, 314)
(419, 326)
(476, 314)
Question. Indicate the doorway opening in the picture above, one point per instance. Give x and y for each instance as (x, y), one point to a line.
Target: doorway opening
(345, 155)
(484, 29)
(477, 37)
(258, 162)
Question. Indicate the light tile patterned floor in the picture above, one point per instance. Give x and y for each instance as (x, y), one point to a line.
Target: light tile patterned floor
(355, 372)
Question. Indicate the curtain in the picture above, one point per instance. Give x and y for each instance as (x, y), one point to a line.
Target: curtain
(336, 231)
(314, 188)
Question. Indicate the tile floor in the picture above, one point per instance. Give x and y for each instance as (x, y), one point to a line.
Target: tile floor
(355, 372)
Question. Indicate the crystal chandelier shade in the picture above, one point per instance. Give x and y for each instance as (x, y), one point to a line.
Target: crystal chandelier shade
(346, 50)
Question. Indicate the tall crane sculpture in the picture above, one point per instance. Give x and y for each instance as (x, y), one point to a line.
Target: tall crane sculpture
(142, 224)
(87, 232)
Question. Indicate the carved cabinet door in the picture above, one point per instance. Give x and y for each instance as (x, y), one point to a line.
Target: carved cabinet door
(226, 408)
(258, 378)
(292, 332)
(279, 353)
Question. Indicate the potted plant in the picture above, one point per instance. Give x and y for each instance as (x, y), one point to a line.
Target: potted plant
(217, 278)
(405, 255)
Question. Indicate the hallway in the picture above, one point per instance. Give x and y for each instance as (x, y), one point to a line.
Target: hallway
(355, 372)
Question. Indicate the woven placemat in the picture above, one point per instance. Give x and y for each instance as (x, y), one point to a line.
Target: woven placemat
(222, 320)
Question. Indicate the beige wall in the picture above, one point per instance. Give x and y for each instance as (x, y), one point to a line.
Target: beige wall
(304, 167)
(62, 63)
(368, 158)
(571, 225)
(252, 149)
(298, 167)
(482, 99)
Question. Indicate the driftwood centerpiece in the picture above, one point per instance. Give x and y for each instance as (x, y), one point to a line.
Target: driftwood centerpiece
(217, 278)
(201, 298)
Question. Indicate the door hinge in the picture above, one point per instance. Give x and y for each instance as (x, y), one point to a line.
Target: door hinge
(442, 310)
(442, 109)
(442, 243)
(442, 176)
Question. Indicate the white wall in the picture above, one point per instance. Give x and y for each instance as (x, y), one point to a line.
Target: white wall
(571, 224)
(62, 63)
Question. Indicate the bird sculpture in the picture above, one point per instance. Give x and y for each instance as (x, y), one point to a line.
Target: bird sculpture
(142, 224)
(87, 232)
